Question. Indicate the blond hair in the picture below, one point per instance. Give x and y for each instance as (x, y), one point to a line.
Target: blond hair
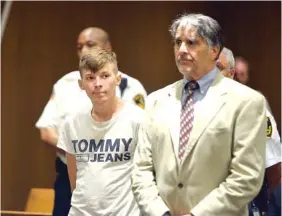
(95, 59)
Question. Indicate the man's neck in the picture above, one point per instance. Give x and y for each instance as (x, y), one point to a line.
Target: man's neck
(104, 112)
(195, 76)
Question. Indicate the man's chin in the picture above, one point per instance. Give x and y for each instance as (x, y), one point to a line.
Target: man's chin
(99, 101)
(185, 71)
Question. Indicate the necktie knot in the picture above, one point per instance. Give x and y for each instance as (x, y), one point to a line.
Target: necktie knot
(192, 86)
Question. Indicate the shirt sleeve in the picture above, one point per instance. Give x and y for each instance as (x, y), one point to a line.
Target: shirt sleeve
(136, 93)
(50, 115)
(64, 141)
(273, 143)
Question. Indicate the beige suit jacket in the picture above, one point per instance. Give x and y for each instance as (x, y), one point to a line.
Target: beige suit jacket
(224, 162)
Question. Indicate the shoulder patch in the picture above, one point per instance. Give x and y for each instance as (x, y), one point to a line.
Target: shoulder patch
(139, 100)
(269, 128)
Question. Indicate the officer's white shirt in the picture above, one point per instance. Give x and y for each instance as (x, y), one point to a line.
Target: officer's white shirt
(68, 98)
(273, 144)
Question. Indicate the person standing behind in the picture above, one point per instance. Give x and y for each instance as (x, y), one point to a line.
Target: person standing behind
(242, 70)
(242, 74)
(226, 63)
(100, 141)
(201, 150)
(272, 183)
(68, 98)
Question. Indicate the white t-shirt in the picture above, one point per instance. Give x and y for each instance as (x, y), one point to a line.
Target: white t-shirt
(273, 144)
(104, 158)
(68, 98)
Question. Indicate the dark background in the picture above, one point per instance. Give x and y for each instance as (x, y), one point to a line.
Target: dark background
(39, 46)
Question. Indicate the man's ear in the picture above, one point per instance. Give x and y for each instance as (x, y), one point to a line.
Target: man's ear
(108, 46)
(215, 52)
(80, 84)
(232, 73)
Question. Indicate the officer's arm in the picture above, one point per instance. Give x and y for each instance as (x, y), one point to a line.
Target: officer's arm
(65, 143)
(48, 123)
(71, 163)
(49, 135)
(273, 149)
(139, 93)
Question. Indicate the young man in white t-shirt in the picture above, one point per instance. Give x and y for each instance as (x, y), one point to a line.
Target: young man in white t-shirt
(66, 99)
(100, 141)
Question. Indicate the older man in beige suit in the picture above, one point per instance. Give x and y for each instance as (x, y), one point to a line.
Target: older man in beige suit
(201, 151)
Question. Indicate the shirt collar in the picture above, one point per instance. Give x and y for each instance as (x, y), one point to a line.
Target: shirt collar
(205, 82)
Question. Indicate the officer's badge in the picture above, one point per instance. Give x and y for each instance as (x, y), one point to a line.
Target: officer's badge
(139, 100)
(269, 128)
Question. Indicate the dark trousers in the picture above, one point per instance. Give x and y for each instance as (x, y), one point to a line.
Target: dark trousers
(62, 202)
(260, 201)
(250, 209)
(274, 205)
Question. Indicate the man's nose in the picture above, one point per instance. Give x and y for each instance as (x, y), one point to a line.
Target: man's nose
(97, 82)
(84, 49)
(183, 49)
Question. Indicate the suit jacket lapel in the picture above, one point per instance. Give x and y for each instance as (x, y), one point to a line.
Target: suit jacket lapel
(174, 107)
(212, 104)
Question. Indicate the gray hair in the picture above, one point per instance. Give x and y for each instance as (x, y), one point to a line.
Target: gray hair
(207, 28)
(230, 57)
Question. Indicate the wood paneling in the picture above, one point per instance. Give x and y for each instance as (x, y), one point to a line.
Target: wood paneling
(39, 47)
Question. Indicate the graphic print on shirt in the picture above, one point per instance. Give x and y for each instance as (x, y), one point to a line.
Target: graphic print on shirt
(104, 150)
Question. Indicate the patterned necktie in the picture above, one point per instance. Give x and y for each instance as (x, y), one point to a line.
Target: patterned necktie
(186, 117)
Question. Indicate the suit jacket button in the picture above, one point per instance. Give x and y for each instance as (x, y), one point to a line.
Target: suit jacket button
(180, 185)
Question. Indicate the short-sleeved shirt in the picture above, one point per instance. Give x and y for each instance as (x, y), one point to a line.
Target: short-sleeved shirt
(273, 144)
(67, 98)
(104, 152)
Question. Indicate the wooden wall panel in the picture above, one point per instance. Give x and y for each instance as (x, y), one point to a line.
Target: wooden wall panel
(253, 30)
(39, 47)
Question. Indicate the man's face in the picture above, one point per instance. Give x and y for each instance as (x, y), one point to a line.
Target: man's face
(242, 72)
(100, 86)
(87, 40)
(193, 57)
(223, 66)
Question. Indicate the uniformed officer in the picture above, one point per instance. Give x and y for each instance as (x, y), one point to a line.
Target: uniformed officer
(66, 98)
(226, 64)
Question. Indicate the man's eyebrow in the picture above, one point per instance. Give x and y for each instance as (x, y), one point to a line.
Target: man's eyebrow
(91, 42)
(104, 72)
(89, 73)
